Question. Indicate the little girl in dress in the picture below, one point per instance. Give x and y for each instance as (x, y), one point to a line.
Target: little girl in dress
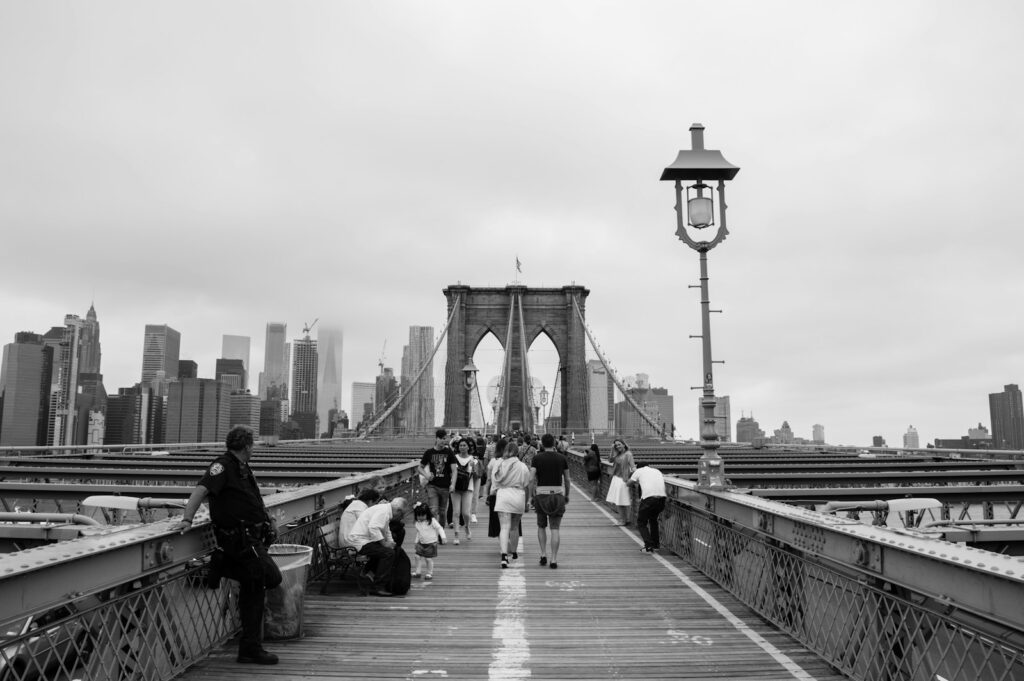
(429, 534)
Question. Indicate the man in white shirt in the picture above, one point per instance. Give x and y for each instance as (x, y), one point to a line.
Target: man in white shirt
(652, 502)
(371, 536)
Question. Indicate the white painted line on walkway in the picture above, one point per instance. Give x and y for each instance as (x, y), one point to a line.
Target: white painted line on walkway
(793, 668)
(511, 654)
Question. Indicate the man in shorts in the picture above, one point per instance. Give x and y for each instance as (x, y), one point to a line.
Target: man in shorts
(550, 485)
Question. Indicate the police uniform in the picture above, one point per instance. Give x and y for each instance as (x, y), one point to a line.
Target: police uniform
(243, 530)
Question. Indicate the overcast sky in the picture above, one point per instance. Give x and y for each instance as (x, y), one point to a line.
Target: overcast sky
(218, 165)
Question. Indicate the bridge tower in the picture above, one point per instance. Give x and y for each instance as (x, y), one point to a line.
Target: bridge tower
(516, 315)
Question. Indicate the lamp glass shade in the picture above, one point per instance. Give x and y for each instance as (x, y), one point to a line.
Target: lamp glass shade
(700, 212)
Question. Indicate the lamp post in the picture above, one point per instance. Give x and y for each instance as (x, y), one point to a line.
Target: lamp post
(494, 407)
(469, 380)
(696, 165)
(543, 404)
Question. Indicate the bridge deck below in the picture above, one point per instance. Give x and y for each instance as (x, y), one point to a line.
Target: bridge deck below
(608, 612)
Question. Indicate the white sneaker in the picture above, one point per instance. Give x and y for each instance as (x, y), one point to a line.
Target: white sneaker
(456, 542)
(472, 518)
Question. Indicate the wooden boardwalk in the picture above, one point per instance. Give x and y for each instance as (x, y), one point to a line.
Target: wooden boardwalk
(608, 612)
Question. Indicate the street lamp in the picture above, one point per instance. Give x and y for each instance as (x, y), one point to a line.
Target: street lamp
(543, 403)
(469, 380)
(698, 212)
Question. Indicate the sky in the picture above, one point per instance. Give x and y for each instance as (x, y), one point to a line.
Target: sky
(218, 165)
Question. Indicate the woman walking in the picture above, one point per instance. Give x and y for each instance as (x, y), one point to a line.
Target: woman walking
(509, 482)
(618, 490)
(462, 489)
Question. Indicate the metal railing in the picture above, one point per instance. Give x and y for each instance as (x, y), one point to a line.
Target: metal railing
(877, 604)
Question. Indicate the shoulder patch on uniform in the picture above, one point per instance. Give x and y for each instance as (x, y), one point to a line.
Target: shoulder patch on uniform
(216, 469)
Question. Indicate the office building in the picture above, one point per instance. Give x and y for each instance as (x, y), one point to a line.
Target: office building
(245, 409)
(1007, 413)
(363, 395)
(818, 434)
(911, 440)
(274, 377)
(878, 441)
(237, 347)
(187, 369)
(198, 410)
(304, 396)
(231, 372)
(25, 391)
(329, 346)
(656, 403)
(161, 346)
(66, 342)
(601, 388)
(135, 415)
(92, 409)
(418, 405)
(748, 430)
(90, 353)
(386, 392)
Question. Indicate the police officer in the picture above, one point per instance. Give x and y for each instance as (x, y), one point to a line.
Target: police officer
(243, 529)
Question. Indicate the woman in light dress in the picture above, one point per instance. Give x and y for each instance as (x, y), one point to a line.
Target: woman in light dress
(618, 490)
(509, 478)
(462, 498)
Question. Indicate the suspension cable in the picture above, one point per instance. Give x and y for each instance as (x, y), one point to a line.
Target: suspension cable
(527, 386)
(401, 397)
(611, 371)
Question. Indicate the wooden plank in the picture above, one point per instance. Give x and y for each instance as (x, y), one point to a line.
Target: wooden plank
(608, 612)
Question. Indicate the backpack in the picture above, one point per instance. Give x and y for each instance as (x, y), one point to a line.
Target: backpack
(463, 474)
(401, 572)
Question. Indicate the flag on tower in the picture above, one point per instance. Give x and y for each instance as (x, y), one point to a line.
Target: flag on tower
(519, 265)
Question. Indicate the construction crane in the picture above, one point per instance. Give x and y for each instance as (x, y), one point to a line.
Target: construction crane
(306, 328)
(380, 362)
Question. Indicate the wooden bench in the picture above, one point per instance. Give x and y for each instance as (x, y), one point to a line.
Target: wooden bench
(338, 559)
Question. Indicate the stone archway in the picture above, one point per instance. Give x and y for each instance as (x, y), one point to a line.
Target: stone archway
(543, 310)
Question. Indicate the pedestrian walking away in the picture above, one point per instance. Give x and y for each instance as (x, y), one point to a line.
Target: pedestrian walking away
(509, 481)
(652, 502)
(592, 466)
(550, 491)
(243, 529)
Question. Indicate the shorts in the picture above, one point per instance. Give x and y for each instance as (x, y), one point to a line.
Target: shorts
(550, 507)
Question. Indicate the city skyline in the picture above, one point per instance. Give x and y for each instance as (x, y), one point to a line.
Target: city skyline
(867, 282)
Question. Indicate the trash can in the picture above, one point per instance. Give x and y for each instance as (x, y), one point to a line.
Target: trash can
(282, 618)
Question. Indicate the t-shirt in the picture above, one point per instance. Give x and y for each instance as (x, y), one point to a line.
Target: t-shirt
(439, 462)
(550, 466)
(652, 482)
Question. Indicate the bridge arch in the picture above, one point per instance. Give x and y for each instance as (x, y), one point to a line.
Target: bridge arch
(517, 315)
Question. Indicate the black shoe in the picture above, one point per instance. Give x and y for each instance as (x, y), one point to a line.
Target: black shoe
(257, 657)
(504, 560)
(515, 556)
(554, 566)
(543, 560)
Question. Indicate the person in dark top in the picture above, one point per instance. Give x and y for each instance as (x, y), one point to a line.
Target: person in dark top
(592, 465)
(550, 486)
(436, 468)
(243, 529)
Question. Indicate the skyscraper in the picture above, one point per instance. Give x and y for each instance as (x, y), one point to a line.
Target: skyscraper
(274, 378)
(748, 430)
(237, 347)
(1007, 413)
(386, 392)
(198, 410)
(66, 342)
(602, 397)
(304, 374)
(911, 439)
(362, 401)
(90, 362)
(232, 373)
(818, 434)
(418, 405)
(25, 391)
(656, 403)
(329, 346)
(161, 347)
